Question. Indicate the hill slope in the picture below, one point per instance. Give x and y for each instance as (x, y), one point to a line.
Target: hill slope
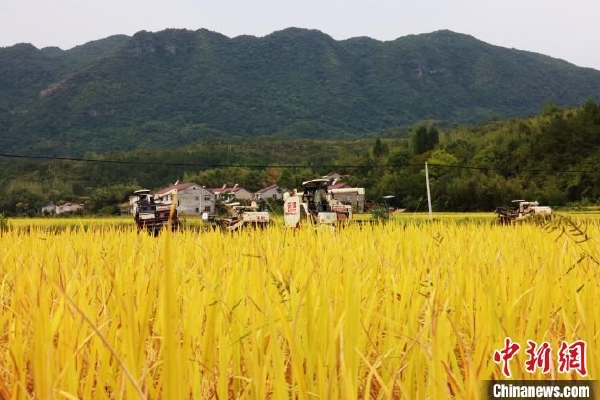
(173, 87)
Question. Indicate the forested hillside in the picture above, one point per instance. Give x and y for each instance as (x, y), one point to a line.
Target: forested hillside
(29, 75)
(551, 157)
(176, 87)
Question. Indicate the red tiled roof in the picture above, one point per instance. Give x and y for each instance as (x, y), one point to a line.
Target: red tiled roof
(179, 186)
(273, 186)
(337, 186)
(226, 190)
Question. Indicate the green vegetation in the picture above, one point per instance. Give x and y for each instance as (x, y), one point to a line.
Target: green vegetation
(3, 222)
(550, 158)
(147, 110)
(172, 88)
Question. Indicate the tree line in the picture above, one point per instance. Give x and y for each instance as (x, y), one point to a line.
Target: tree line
(550, 158)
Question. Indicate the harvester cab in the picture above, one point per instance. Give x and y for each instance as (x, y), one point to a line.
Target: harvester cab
(152, 214)
(315, 205)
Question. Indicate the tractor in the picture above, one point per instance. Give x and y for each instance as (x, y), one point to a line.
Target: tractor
(314, 205)
(522, 210)
(152, 215)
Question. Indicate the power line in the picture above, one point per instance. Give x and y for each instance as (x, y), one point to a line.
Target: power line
(577, 171)
(204, 165)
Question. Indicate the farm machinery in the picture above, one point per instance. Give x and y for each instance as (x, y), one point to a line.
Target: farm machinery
(522, 210)
(153, 215)
(245, 216)
(314, 205)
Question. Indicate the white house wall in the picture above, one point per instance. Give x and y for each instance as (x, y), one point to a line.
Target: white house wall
(271, 194)
(194, 200)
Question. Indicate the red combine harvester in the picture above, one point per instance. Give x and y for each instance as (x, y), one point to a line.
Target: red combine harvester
(152, 215)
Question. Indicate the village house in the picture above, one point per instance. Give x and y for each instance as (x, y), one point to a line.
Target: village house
(338, 185)
(272, 192)
(348, 195)
(192, 199)
(232, 193)
(62, 208)
(128, 207)
(334, 176)
(49, 209)
(125, 208)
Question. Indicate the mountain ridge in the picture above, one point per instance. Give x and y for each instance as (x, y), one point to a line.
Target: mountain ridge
(177, 86)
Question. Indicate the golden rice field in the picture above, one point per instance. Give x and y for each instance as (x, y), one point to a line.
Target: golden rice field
(410, 310)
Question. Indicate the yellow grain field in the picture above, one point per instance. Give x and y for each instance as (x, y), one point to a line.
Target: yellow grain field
(396, 311)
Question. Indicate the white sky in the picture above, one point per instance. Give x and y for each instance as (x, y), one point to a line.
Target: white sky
(569, 30)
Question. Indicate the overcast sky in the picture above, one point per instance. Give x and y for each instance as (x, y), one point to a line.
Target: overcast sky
(569, 30)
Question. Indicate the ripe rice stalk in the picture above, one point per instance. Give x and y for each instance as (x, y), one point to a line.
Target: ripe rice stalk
(390, 311)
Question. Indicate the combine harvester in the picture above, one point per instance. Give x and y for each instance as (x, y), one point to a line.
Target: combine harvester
(153, 215)
(316, 205)
(245, 216)
(523, 210)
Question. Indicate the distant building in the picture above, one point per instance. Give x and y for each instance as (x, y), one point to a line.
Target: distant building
(272, 192)
(232, 193)
(338, 185)
(192, 199)
(348, 195)
(334, 176)
(61, 208)
(49, 209)
(125, 208)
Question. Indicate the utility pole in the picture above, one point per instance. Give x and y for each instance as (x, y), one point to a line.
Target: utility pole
(428, 192)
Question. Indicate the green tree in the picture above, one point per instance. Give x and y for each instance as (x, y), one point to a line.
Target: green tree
(26, 195)
(424, 139)
(106, 199)
(380, 149)
(550, 108)
(287, 179)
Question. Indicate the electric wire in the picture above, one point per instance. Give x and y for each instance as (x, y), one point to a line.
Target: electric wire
(262, 166)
